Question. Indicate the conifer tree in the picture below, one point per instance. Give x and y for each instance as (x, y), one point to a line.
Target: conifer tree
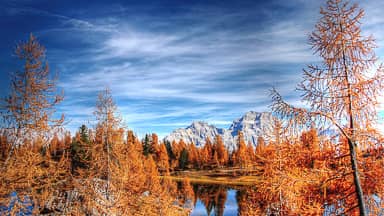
(163, 159)
(183, 159)
(67, 138)
(206, 153)
(193, 155)
(341, 90)
(54, 145)
(29, 109)
(170, 153)
(208, 145)
(80, 150)
(28, 171)
(108, 124)
(250, 152)
(155, 145)
(147, 145)
(131, 139)
(222, 153)
(241, 156)
(260, 145)
(215, 159)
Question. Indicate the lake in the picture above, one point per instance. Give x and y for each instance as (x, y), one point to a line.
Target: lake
(222, 200)
(215, 200)
(229, 208)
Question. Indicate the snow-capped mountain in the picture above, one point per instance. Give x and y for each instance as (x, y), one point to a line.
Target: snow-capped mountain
(196, 133)
(252, 124)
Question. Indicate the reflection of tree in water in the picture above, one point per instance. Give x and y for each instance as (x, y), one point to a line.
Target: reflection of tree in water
(213, 197)
(246, 202)
(252, 202)
(185, 194)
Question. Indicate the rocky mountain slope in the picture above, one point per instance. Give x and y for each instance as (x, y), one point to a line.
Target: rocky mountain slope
(252, 124)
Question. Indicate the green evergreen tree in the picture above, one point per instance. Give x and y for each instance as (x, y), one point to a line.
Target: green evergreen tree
(147, 145)
(84, 134)
(80, 150)
(170, 153)
(183, 160)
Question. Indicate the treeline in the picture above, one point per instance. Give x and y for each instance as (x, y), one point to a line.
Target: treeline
(168, 156)
(109, 171)
(214, 154)
(311, 174)
(78, 175)
(46, 171)
(307, 173)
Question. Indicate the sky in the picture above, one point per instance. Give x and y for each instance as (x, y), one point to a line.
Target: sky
(169, 63)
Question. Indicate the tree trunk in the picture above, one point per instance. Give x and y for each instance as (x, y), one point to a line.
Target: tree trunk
(351, 139)
(356, 178)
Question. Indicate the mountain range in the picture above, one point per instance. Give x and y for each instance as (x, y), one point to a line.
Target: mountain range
(252, 124)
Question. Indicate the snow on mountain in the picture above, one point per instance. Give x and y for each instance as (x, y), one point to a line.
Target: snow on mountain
(252, 124)
(196, 133)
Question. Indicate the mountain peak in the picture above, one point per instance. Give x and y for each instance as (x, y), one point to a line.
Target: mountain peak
(198, 124)
(252, 124)
(251, 120)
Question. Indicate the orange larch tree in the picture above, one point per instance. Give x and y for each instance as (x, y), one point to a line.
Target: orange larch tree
(29, 109)
(193, 155)
(260, 145)
(109, 123)
(28, 128)
(241, 155)
(250, 152)
(163, 160)
(343, 90)
(222, 153)
(155, 145)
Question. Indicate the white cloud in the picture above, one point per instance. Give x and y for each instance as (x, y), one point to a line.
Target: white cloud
(196, 65)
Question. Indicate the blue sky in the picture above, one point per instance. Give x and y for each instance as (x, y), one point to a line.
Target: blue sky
(169, 63)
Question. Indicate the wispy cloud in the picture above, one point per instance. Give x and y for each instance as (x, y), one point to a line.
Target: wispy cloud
(194, 66)
(200, 62)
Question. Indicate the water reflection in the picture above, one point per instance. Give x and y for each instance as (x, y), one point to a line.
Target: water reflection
(220, 200)
(227, 208)
(223, 200)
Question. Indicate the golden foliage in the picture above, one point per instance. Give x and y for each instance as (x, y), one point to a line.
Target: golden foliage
(313, 176)
(34, 175)
(341, 91)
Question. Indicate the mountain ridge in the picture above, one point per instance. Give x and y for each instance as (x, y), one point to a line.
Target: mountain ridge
(252, 124)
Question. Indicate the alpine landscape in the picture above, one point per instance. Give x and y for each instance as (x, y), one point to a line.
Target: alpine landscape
(178, 108)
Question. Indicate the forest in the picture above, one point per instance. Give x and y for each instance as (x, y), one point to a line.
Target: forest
(323, 159)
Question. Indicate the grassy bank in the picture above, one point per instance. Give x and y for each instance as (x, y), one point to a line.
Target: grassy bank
(227, 176)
